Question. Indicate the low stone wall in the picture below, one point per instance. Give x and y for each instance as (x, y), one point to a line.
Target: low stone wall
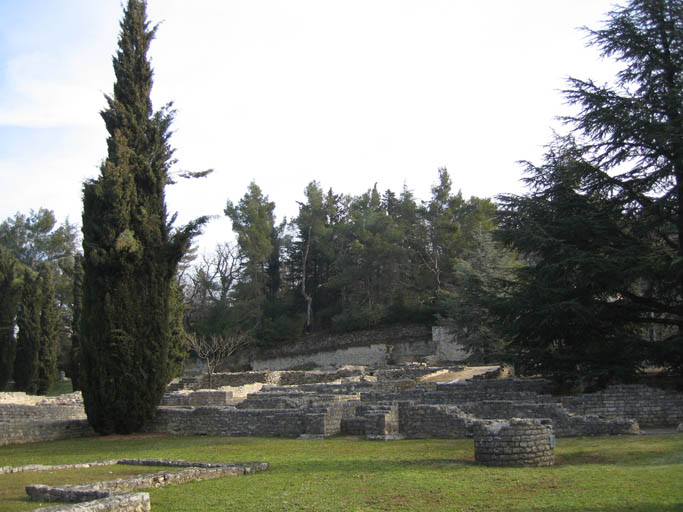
(318, 420)
(17, 412)
(518, 442)
(314, 343)
(324, 420)
(649, 406)
(228, 421)
(34, 431)
(44, 422)
(374, 355)
(199, 397)
(129, 502)
(420, 421)
(565, 424)
(382, 423)
(115, 495)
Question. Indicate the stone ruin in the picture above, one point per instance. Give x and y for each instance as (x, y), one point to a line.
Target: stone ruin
(391, 402)
(119, 495)
(517, 442)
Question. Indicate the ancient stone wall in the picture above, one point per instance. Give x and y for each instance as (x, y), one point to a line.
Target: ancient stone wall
(564, 423)
(518, 442)
(46, 422)
(15, 412)
(128, 502)
(115, 495)
(34, 431)
(374, 347)
(382, 422)
(199, 397)
(650, 406)
(375, 355)
(228, 421)
(420, 421)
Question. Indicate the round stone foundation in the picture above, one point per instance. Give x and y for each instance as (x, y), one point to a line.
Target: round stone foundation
(515, 442)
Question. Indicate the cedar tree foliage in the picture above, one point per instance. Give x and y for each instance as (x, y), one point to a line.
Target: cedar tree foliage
(130, 250)
(603, 223)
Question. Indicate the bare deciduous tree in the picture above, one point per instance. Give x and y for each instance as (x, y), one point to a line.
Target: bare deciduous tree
(215, 349)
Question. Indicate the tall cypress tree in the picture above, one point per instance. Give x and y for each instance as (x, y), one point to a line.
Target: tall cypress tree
(49, 332)
(75, 356)
(28, 341)
(130, 251)
(9, 295)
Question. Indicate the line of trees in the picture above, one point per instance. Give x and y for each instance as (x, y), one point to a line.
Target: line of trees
(580, 279)
(342, 263)
(37, 264)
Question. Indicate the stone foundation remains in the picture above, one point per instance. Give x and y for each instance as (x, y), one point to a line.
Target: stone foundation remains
(386, 403)
(517, 442)
(116, 495)
(42, 422)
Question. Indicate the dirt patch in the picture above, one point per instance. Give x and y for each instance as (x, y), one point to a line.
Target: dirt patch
(465, 374)
(586, 458)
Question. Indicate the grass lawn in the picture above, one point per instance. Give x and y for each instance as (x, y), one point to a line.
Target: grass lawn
(630, 473)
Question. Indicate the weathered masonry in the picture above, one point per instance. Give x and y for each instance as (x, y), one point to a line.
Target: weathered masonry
(517, 442)
(402, 408)
(376, 403)
(119, 495)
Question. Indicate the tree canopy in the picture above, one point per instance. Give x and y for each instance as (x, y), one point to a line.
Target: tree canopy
(130, 249)
(602, 224)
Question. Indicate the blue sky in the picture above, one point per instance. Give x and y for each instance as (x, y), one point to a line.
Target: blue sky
(283, 92)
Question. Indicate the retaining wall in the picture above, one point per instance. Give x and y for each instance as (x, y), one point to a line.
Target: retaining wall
(45, 422)
(650, 406)
(228, 421)
(34, 431)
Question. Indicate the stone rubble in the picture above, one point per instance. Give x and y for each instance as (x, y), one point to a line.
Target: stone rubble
(116, 496)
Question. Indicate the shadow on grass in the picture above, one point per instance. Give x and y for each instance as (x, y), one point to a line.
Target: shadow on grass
(640, 507)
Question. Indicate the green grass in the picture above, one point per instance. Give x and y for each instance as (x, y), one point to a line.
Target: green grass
(630, 473)
(13, 496)
(61, 388)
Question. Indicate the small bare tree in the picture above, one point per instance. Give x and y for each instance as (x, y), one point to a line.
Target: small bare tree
(215, 349)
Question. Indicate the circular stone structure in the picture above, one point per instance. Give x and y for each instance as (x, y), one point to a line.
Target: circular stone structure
(514, 442)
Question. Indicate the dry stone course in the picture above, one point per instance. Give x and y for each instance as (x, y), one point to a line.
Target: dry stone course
(115, 495)
(517, 442)
(348, 400)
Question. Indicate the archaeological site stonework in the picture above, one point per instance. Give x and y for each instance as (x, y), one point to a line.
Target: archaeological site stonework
(515, 442)
(385, 403)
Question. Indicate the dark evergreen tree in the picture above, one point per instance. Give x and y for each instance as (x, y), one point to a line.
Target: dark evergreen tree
(130, 251)
(178, 346)
(50, 323)
(602, 226)
(566, 314)
(27, 362)
(75, 356)
(634, 131)
(253, 221)
(481, 277)
(9, 296)
(314, 253)
(35, 239)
